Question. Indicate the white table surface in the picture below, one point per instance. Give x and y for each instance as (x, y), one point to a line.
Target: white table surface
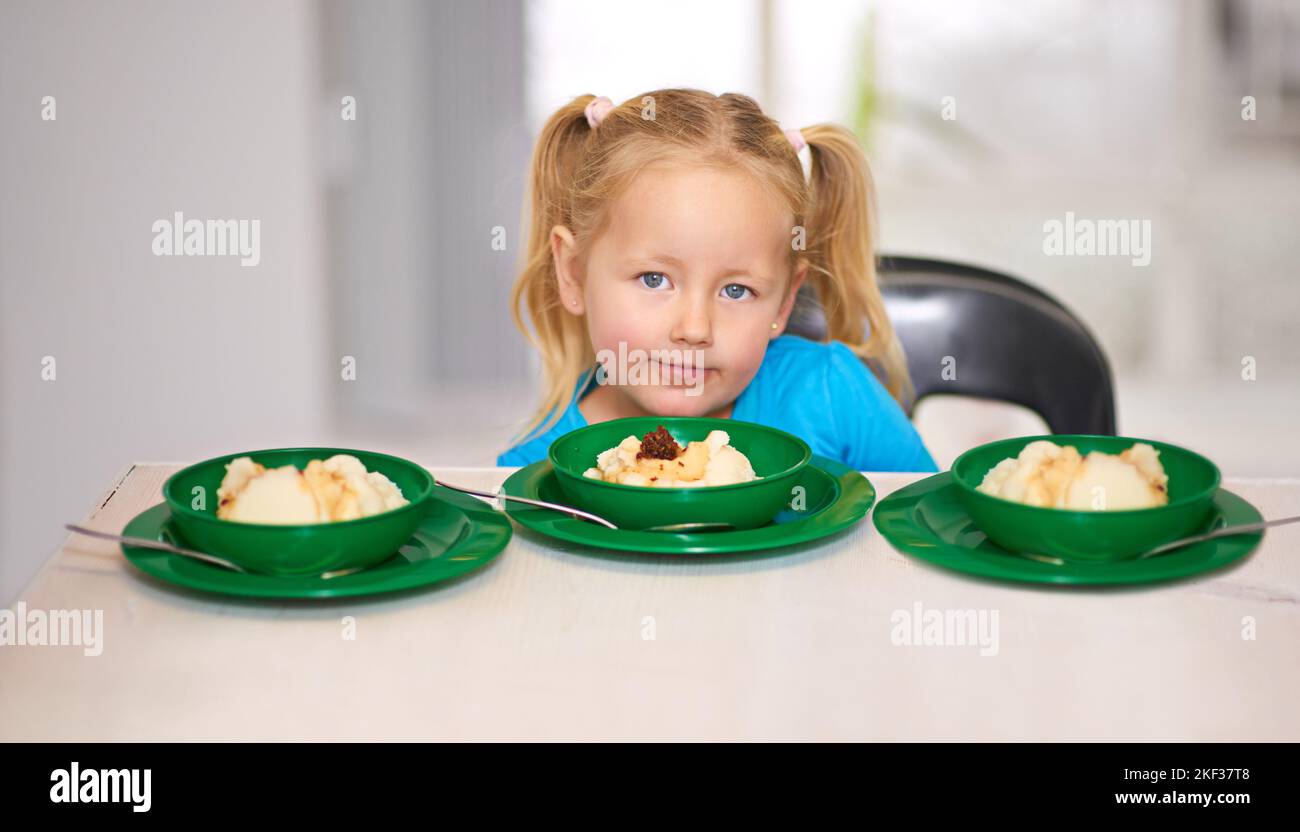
(548, 643)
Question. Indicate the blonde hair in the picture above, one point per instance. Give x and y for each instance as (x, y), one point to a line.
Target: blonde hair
(577, 172)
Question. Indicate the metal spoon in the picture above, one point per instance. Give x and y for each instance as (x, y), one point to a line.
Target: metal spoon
(691, 527)
(1223, 532)
(146, 543)
(583, 515)
(1166, 548)
(572, 512)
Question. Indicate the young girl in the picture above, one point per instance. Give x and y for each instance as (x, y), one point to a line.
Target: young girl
(675, 230)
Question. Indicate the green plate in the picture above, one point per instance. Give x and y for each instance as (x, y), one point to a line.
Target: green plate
(457, 535)
(836, 498)
(927, 520)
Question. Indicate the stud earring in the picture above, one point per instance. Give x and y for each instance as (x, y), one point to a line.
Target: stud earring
(775, 326)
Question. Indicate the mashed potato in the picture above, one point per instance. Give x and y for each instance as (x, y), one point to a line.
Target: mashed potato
(1048, 475)
(658, 461)
(338, 488)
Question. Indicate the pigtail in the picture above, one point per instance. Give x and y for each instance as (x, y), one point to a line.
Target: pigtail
(564, 348)
(841, 254)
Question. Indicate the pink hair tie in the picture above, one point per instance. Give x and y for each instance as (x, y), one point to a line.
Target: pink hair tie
(796, 139)
(597, 108)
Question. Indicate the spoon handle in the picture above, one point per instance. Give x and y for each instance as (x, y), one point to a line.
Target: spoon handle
(687, 528)
(1223, 532)
(573, 512)
(146, 543)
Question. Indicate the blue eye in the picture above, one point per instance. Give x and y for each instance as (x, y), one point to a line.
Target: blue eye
(735, 291)
(652, 280)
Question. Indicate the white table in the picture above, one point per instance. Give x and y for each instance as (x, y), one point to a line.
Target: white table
(546, 643)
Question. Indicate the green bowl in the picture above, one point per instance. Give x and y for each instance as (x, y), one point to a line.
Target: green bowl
(296, 549)
(1088, 536)
(777, 457)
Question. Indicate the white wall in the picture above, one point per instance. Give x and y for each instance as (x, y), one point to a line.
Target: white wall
(208, 108)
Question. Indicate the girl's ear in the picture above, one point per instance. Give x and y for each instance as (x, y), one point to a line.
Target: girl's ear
(564, 252)
(787, 305)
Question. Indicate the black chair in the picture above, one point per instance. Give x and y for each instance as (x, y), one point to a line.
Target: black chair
(998, 338)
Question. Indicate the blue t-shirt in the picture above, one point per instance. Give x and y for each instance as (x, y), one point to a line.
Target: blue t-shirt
(822, 393)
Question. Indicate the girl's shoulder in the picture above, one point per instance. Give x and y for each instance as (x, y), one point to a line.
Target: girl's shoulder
(823, 392)
(534, 447)
(821, 368)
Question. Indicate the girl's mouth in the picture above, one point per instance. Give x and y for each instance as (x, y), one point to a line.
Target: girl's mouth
(674, 373)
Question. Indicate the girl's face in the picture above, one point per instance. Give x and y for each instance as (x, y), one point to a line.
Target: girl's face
(693, 260)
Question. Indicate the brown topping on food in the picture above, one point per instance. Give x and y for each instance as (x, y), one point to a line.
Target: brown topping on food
(659, 444)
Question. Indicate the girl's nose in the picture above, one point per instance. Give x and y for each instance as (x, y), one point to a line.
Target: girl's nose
(694, 324)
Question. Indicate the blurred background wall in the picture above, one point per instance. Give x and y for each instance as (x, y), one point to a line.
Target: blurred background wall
(203, 108)
(983, 121)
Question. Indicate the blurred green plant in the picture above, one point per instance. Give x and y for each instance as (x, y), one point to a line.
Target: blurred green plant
(866, 96)
(872, 107)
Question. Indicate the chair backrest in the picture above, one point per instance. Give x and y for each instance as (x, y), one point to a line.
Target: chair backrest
(974, 332)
